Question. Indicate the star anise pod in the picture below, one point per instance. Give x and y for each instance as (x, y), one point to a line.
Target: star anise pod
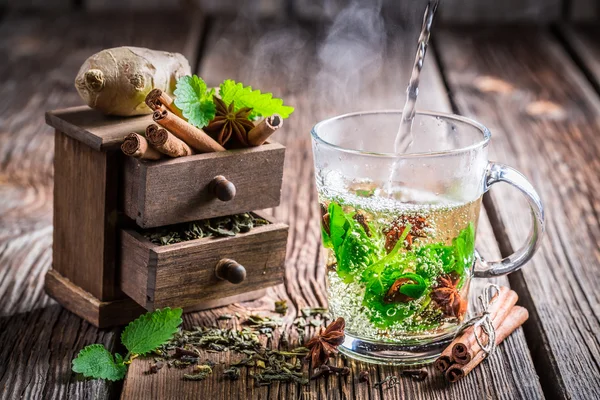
(227, 121)
(393, 294)
(360, 218)
(394, 232)
(325, 344)
(447, 297)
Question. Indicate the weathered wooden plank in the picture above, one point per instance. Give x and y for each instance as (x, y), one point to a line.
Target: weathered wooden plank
(584, 41)
(454, 11)
(294, 62)
(41, 56)
(584, 10)
(183, 274)
(180, 189)
(543, 115)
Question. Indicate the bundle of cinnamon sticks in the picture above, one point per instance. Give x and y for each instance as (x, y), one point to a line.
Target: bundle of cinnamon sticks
(465, 353)
(175, 137)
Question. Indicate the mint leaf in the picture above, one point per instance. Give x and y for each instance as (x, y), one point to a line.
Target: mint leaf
(194, 100)
(95, 361)
(151, 330)
(414, 290)
(262, 104)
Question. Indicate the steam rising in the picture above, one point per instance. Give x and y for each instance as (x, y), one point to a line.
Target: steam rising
(351, 54)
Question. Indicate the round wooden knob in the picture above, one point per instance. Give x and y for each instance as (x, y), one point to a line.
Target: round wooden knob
(230, 270)
(222, 188)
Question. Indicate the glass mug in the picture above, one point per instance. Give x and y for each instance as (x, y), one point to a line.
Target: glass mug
(399, 229)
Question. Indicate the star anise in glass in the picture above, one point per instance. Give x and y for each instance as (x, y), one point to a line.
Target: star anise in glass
(445, 294)
(393, 294)
(394, 232)
(325, 344)
(227, 121)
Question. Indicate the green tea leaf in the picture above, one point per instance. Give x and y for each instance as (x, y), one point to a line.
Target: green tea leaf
(354, 249)
(151, 330)
(262, 104)
(95, 361)
(464, 246)
(415, 290)
(194, 100)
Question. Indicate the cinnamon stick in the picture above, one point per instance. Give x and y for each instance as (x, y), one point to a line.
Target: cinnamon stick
(515, 318)
(443, 362)
(137, 146)
(167, 143)
(194, 137)
(464, 349)
(261, 132)
(157, 98)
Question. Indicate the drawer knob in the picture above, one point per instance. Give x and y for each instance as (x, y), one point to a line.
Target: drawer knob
(230, 270)
(222, 188)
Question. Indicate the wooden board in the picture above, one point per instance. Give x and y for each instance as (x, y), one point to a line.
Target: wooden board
(183, 274)
(455, 11)
(543, 115)
(179, 190)
(584, 10)
(85, 217)
(41, 55)
(290, 67)
(95, 130)
(584, 43)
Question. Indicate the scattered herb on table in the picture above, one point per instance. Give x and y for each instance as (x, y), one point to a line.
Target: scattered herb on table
(281, 307)
(388, 382)
(140, 337)
(324, 345)
(416, 374)
(272, 365)
(214, 227)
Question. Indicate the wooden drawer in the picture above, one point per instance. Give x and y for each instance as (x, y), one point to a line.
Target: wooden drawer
(184, 274)
(157, 193)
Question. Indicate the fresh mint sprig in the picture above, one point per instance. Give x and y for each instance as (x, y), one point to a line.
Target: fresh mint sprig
(262, 104)
(140, 337)
(194, 100)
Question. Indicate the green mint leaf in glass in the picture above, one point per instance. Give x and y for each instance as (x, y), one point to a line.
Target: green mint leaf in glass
(464, 246)
(416, 289)
(151, 330)
(262, 104)
(194, 100)
(95, 361)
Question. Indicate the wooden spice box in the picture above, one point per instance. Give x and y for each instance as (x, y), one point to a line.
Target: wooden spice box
(105, 271)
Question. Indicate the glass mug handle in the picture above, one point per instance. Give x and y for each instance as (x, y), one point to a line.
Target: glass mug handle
(502, 173)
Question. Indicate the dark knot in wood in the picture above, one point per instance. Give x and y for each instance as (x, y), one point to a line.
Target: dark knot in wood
(230, 270)
(222, 188)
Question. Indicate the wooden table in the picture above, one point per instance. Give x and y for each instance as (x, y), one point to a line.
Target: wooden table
(536, 89)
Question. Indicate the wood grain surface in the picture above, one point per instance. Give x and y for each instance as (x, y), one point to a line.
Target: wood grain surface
(41, 55)
(183, 274)
(584, 43)
(179, 189)
(292, 61)
(544, 118)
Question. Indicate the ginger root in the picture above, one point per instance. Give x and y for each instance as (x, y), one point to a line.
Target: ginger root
(116, 81)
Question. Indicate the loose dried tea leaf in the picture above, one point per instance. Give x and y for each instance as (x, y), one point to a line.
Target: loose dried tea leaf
(310, 311)
(232, 373)
(274, 365)
(388, 382)
(416, 374)
(363, 377)
(281, 307)
(228, 226)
